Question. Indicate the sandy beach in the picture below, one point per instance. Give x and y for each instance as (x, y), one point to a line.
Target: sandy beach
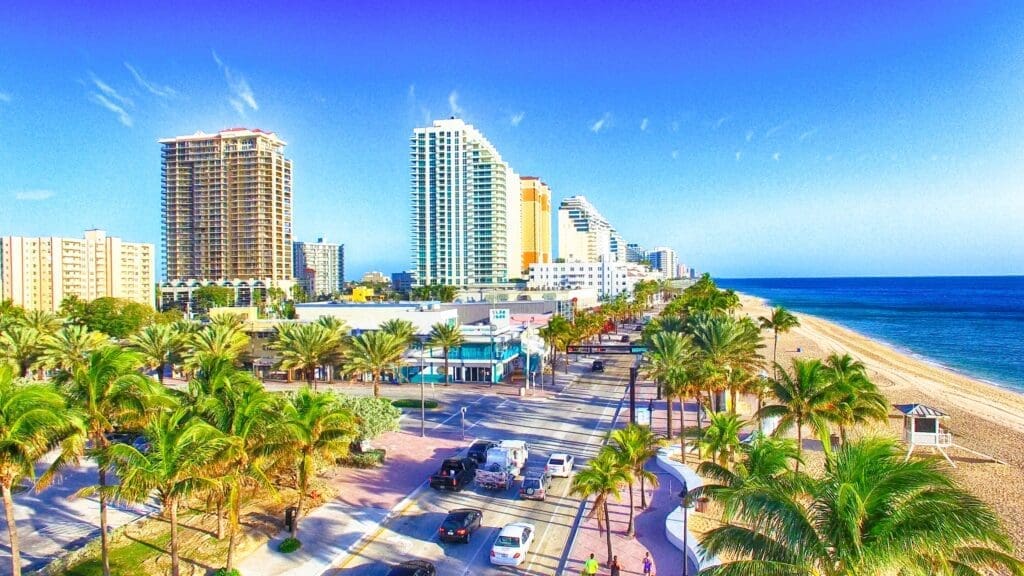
(982, 417)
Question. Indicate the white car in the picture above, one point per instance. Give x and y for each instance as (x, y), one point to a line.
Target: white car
(512, 544)
(560, 465)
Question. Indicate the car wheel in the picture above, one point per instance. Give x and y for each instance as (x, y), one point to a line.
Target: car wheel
(466, 539)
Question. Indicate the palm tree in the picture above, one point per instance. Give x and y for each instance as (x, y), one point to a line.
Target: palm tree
(320, 430)
(857, 400)
(556, 336)
(779, 322)
(107, 390)
(21, 345)
(375, 352)
(227, 342)
(69, 347)
(669, 353)
(180, 463)
(446, 337)
(33, 421)
(869, 513)
(305, 347)
(41, 320)
(402, 329)
(723, 345)
(160, 345)
(765, 461)
(634, 445)
(603, 478)
(805, 397)
(721, 439)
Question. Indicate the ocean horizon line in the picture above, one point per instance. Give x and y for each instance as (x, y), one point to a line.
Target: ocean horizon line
(930, 276)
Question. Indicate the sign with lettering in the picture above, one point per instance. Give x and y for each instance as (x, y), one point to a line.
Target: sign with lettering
(500, 317)
(610, 349)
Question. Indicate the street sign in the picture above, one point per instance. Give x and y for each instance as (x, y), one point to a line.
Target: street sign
(643, 416)
(610, 349)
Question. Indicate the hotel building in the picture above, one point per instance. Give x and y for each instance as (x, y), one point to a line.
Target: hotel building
(536, 210)
(38, 273)
(608, 278)
(664, 260)
(319, 267)
(584, 235)
(227, 206)
(466, 208)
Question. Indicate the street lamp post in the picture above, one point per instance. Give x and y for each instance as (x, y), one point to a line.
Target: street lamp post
(684, 497)
(463, 412)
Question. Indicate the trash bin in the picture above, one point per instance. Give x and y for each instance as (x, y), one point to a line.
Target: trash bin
(289, 517)
(522, 391)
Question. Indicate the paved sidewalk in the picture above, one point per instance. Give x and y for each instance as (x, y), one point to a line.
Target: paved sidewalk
(649, 523)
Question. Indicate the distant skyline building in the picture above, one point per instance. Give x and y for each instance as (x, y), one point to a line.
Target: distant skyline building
(608, 278)
(466, 209)
(664, 260)
(635, 253)
(402, 281)
(376, 277)
(227, 206)
(536, 214)
(319, 267)
(584, 235)
(38, 273)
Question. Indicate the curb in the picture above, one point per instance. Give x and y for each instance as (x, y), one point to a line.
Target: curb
(694, 553)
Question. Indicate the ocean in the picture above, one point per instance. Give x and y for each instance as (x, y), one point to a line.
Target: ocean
(972, 325)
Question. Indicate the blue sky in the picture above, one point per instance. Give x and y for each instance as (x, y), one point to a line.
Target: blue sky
(757, 139)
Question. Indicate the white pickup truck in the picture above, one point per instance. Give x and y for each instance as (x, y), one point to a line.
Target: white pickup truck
(504, 462)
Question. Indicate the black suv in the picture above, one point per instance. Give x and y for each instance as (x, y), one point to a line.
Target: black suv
(478, 451)
(597, 366)
(459, 525)
(414, 568)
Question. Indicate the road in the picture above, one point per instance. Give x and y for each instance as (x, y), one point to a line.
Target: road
(572, 421)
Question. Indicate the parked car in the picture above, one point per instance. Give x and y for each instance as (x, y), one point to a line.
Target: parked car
(455, 474)
(459, 525)
(597, 366)
(414, 568)
(478, 451)
(560, 465)
(512, 544)
(535, 486)
(624, 338)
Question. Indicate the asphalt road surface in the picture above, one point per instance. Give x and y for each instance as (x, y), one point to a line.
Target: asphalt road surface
(574, 421)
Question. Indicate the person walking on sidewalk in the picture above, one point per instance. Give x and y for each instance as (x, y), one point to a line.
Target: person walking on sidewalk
(616, 569)
(590, 566)
(648, 565)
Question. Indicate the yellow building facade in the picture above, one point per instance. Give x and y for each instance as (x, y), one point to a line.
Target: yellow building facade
(536, 212)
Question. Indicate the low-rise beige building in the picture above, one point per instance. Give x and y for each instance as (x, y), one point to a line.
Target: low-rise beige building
(38, 273)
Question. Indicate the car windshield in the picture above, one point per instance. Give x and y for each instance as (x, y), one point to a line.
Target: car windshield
(452, 523)
(531, 483)
(556, 462)
(510, 541)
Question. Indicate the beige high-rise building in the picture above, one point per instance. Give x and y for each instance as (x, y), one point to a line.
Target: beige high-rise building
(227, 206)
(536, 200)
(38, 273)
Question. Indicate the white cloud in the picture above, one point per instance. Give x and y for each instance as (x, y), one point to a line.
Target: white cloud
(517, 118)
(153, 88)
(110, 93)
(412, 92)
(453, 103)
(675, 126)
(808, 134)
(643, 124)
(33, 195)
(675, 154)
(5, 97)
(776, 156)
(750, 135)
(122, 114)
(601, 124)
(739, 154)
(718, 123)
(242, 96)
(774, 129)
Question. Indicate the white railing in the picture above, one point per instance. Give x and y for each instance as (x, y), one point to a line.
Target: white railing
(931, 438)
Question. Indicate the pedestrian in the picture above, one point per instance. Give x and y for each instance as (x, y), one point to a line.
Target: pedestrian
(648, 565)
(616, 569)
(590, 566)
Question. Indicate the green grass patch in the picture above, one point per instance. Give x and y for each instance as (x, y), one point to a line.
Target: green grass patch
(226, 572)
(368, 459)
(289, 545)
(414, 403)
(124, 559)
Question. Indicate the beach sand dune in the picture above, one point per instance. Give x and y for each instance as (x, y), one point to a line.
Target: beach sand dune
(982, 416)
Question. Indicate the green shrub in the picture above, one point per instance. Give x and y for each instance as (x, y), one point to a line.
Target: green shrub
(412, 403)
(289, 545)
(375, 415)
(226, 572)
(368, 459)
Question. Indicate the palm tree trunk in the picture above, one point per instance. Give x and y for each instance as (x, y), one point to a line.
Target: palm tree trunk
(303, 484)
(233, 504)
(668, 416)
(775, 356)
(607, 533)
(12, 530)
(682, 428)
(760, 405)
(842, 434)
(643, 492)
(445, 366)
(799, 443)
(104, 537)
(172, 505)
(160, 374)
(629, 529)
(732, 401)
(220, 517)
(376, 384)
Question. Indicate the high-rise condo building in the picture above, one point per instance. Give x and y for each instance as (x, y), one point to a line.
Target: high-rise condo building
(635, 253)
(38, 273)
(320, 267)
(466, 208)
(584, 235)
(536, 209)
(227, 206)
(664, 260)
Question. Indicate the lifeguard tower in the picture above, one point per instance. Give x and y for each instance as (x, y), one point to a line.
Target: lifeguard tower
(922, 426)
